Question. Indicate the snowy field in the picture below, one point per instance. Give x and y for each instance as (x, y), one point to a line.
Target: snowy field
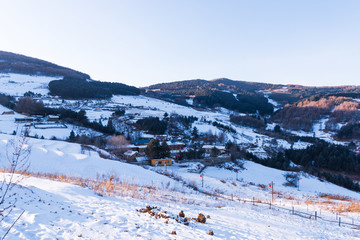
(59, 157)
(8, 126)
(55, 210)
(18, 84)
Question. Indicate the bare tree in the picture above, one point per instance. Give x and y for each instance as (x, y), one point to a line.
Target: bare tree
(118, 143)
(17, 153)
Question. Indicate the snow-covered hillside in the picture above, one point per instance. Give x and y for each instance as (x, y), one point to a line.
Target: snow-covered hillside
(17, 84)
(64, 210)
(55, 210)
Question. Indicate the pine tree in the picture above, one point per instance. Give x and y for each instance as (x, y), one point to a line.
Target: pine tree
(72, 136)
(164, 150)
(152, 149)
(195, 133)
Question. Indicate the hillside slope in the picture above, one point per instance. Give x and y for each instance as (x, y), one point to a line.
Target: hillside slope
(17, 63)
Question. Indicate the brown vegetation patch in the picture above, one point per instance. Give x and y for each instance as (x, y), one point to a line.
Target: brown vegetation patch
(201, 218)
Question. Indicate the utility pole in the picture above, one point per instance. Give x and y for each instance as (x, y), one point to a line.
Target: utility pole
(272, 190)
(298, 183)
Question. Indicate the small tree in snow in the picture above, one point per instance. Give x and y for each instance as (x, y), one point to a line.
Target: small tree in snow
(17, 154)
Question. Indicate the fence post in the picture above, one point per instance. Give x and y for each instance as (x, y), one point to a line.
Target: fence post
(232, 197)
(270, 205)
(336, 216)
(315, 215)
(253, 201)
(293, 210)
(339, 221)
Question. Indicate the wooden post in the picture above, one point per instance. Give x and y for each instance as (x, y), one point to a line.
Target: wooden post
(298, 185)
(253, 201)
(339, 221)
(315, 215)
(293, 210)
(270, 205)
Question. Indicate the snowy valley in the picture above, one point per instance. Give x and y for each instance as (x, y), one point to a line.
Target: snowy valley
(79, 186)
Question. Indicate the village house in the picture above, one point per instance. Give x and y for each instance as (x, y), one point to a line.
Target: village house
(161, 162)
(209, 148)
(53, 118)
(8, 113)
(24, 120)
(131, 155)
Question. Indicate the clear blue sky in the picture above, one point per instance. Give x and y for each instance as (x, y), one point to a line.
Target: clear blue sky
(314, 42)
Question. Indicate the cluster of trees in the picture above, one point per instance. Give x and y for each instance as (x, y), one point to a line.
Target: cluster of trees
(177, 124)
(326, 156)
(16, 63)
(217, 93)
(188, 87)
(155, 150)
(153, 125)
(349, 131)
(33, 107)
(297, 93)
(211, 138)
(32, 94)
(186, 121)
(193, 153)
(200, 87)
(97, 141)
(76, 88)
(119, 112)
(284, 98)
(314, 109)
(29, 105)
(247, 121)
(321, 159)
(244, 102)
(7, 101)
(347, 111)
(223, 127)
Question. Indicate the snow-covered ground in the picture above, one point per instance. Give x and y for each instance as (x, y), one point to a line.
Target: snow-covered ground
(59, 157)
(8, 126)
(18, 84)
(54, 210)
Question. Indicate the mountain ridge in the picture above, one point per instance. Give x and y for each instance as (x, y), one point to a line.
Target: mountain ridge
(18, 63)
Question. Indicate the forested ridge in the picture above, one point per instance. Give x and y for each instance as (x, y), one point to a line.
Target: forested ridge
(75, 88)
(17, 63)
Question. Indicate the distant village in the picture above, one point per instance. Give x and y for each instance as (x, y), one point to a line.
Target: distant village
(133, 149)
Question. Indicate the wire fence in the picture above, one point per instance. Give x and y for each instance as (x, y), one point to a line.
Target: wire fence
(340, 220)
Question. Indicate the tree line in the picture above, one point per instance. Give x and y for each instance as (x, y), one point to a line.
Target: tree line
(75, 88)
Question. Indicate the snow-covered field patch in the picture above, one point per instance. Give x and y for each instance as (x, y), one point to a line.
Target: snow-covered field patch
(18, 84)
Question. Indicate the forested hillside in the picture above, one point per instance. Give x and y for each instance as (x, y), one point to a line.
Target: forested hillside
(16, 63)
(80, 88)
